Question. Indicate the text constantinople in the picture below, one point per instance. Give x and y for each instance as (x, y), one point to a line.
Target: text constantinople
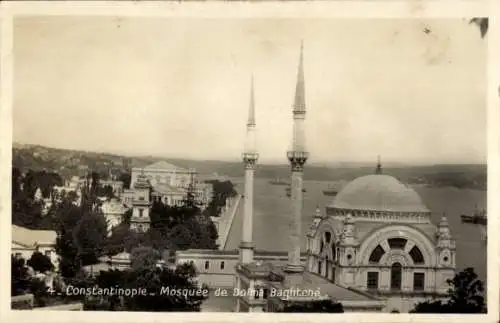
(108, 291)
(131, 292)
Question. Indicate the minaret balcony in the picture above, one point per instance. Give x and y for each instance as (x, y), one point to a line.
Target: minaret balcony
(297, 155)
(297, 160)
(250, 157)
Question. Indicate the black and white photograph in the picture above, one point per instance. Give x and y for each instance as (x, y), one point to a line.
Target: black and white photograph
(249, 165)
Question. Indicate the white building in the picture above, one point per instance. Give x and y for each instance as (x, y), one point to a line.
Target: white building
(113, 211)
(164, 173)
(76, 182)
(26, 241)
(374, 249)
(170, 185)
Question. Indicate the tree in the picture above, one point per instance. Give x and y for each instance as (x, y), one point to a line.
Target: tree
(125, 178)
(67, 217)
(81, 236)
(466, 295)
(184, 294)
(467, 292)
(323, 306)
(90, 235)
(22, 282)
(40, 262)
(116, 243)
(144, 257)
(221, 192)
(19, 276)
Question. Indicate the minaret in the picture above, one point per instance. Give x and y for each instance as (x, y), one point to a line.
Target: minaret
(378, 170)
(250, 157)
(297, 157)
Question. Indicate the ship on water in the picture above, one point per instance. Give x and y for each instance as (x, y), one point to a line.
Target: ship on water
(278, 181)
(330, 191)
(477, 217)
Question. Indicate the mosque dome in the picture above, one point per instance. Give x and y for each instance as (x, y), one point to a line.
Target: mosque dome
(378, 192)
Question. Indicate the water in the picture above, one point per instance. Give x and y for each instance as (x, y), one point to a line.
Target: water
(272, 210)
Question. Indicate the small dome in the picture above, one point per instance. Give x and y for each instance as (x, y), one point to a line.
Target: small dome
(378, 192)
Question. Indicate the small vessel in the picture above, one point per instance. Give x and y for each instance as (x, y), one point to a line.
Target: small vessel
(278, 181)
(478, 217)
(330, 191)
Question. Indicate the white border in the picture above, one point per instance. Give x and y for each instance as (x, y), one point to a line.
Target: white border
(216, 9)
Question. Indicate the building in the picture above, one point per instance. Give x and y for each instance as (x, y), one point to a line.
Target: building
(141, 205)
(377, 236)
(170, 185)
(169, 195)
(217, 268)
(117, 186)
(76, 183)
(374, 249)
(26, 241)
(164, 173)
(113, 210)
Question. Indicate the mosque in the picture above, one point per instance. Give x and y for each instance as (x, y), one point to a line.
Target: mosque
(374, 248)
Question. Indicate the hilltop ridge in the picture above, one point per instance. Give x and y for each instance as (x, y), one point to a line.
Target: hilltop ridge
(73, 162)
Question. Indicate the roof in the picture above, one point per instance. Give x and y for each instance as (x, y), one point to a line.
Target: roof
(121, 256)
(378, 192)
(163, 165)
(113, 207)
(166, 189)
(313, 282)
(339, 293)
(142, 182)
(363, 229)
(30, 238)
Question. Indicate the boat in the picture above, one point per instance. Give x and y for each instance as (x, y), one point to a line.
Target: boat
(330, 191)
(478, 217)
(278, 181)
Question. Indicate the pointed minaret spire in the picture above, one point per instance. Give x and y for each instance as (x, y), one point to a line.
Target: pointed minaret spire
(297, 157)
(251, 112)
(250, 157)
(299, 104)
(378, 170)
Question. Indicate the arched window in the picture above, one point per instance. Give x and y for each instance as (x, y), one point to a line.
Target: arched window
(377, 254)
(222, 265)
(416, 255)
(396, 273)
(397, 243)
(207, 264)
(328, 237)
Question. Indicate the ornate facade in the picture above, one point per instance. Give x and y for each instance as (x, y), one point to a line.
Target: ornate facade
(141, 204)
(377, 237)
(373, 249)
(170, 185)
(164, 173)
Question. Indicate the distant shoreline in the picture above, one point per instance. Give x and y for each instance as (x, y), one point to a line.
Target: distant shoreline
(70, 163)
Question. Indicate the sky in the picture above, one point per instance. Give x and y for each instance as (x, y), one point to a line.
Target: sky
(180, 88)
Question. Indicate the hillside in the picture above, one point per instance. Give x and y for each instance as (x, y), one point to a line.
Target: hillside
(70, 162)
